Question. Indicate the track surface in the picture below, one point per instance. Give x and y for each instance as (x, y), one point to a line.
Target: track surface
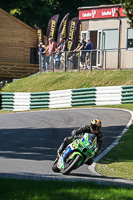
(29, 141)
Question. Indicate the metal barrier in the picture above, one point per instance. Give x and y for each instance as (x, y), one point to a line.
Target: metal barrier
(99, 59)
(39, 100)
(60, 98)
(83, 96)
(7, 100)
(127, 94)
(110, 95)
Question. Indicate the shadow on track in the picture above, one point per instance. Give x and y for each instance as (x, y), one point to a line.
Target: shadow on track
(42, 144)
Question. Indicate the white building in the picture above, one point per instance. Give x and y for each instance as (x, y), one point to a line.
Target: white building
(111, 36)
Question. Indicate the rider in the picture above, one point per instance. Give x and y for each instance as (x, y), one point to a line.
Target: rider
(94, 128)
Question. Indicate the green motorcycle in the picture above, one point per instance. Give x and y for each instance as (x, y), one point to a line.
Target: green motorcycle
(76, 154)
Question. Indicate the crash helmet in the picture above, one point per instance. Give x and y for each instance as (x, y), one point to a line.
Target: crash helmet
(95, 126)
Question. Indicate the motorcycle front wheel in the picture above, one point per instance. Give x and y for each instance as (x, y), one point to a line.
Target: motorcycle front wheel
(72, 166)
(54, 167)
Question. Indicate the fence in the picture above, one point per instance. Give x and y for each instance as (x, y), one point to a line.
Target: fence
(105, 59)
(109, 95)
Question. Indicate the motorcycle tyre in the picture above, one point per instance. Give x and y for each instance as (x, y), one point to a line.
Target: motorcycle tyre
(72, 166)
(54, 167)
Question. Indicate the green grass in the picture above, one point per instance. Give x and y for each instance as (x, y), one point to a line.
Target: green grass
(121, 106)
(119, 161)
(60, 80)
(11, 189)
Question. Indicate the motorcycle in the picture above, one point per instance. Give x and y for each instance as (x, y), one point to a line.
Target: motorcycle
(76, 154)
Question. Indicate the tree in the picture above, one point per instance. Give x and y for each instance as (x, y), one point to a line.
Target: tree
(39, 12)
(32, 12)
(128, 6)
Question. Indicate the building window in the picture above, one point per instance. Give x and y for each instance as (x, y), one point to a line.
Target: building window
(84, 35)
(130, 38)
(110, 39)
(34, 56)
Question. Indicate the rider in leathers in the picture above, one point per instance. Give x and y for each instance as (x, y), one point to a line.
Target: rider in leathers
(94, 128)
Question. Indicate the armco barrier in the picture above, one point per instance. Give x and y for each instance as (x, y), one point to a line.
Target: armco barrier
(7, 100)
(60, 98)
(83, 96)
(21, 101)
(109, 95)
(127, 94)
(39, 100)
(17, 101)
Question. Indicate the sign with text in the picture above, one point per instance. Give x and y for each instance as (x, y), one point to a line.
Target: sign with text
(40, 36)
(52, 27)
(99, 13)
(72, 28)
(63, 29)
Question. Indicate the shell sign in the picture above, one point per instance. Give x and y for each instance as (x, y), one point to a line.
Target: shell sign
(99, 13)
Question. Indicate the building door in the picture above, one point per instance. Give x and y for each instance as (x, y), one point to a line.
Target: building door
(93, 35)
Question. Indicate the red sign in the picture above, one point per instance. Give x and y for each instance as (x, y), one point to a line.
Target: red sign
(100, 13)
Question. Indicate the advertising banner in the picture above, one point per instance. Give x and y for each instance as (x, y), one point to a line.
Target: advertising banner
(78, 34)
(40, 36)
(63, 29)
(99, 13)
(72, 28)
(52, 27)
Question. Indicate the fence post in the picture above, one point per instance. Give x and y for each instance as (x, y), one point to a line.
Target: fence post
(53, 61)
(91, 60)
(65, 62)
(105, 59)
(40, 63)
(79, 61)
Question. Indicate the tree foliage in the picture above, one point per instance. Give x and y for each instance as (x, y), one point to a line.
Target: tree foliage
(128, 6)
(39, 12)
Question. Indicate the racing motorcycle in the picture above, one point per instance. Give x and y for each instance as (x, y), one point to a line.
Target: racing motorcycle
(76, 154)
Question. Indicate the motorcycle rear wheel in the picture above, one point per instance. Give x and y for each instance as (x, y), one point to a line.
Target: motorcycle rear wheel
(72, 166)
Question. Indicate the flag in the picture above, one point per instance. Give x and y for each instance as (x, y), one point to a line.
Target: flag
(78, 35)
(70, 43)
(63, 29)
(40, 36)
(52, 27)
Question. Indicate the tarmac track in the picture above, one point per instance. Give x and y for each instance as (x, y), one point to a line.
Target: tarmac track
(29, 141)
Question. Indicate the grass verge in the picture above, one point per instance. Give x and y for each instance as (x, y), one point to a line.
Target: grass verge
(12, 189)
(70, 80)
(119, 161)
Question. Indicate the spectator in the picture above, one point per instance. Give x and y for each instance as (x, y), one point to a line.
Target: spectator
(61, 49)
(89, 46)
(42, 53)
(57, 60)
(51, 49)
(83, 53)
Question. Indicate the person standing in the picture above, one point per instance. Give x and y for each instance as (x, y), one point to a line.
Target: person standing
(83, 53)
(81, 48)
(42, 53)
(51, 49)
(89, 47)
(61, 49)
